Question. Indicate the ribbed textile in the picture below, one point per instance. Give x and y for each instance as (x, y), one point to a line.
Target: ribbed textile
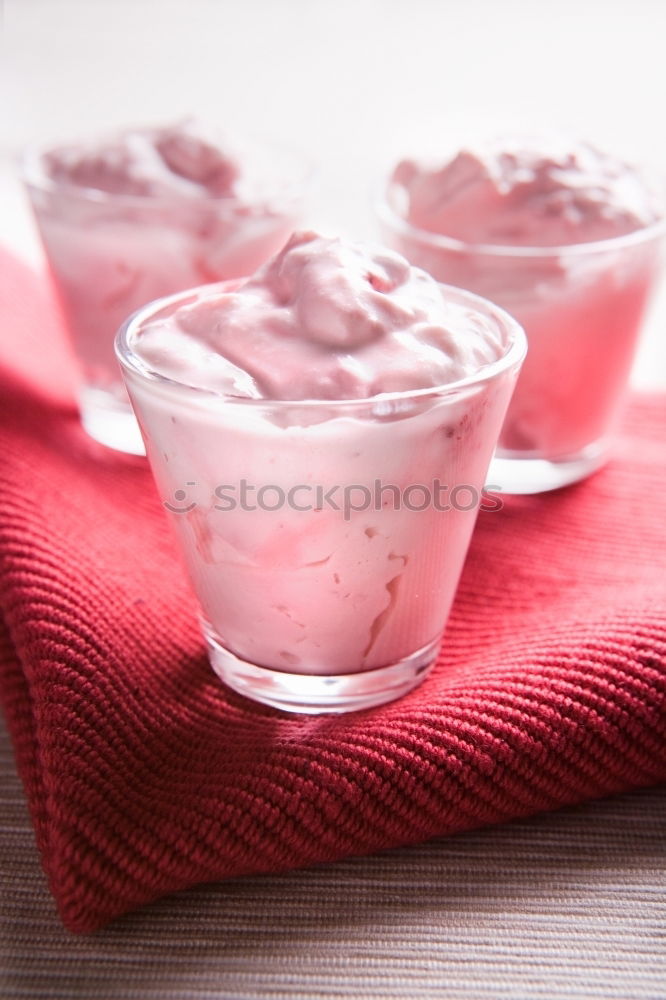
(144, 775)
(567, 905)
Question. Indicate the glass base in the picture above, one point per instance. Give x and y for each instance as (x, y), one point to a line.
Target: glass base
(110, 421)
(511, 473)
(314, 694)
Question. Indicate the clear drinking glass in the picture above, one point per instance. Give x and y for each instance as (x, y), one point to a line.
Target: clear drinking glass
(581, 307)
(324, 539)
(110, 253)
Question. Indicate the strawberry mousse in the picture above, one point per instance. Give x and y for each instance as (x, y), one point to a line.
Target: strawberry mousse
(567, 239)
(145, 213)
(320, 433)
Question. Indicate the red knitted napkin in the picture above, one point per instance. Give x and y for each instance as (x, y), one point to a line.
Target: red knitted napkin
(145, 775)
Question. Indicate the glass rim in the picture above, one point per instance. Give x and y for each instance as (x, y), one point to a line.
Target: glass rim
(514, 354)
(30, 165)
(389, 215)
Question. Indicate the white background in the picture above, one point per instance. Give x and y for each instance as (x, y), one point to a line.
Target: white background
(353, 82)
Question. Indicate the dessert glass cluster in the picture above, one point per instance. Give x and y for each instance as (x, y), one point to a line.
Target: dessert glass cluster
(320, 416)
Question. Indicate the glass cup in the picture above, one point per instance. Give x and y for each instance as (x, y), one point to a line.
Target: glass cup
(581, 307)
(324, 539)
(111, 253)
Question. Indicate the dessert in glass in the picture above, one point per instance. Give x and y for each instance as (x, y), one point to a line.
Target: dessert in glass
(568, 239)
(145, 213)
(320, 435)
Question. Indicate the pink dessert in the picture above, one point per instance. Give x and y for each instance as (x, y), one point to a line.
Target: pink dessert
(149, 212)
(340, 385)
(565, 238)
(323, 320)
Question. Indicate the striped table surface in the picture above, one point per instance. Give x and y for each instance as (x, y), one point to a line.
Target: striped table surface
(571, 904)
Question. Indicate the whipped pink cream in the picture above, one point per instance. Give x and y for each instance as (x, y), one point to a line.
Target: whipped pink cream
(305, 369)
(324, 319)
(527, 192)
(564, 237)
(149, 212)
(183, 160)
